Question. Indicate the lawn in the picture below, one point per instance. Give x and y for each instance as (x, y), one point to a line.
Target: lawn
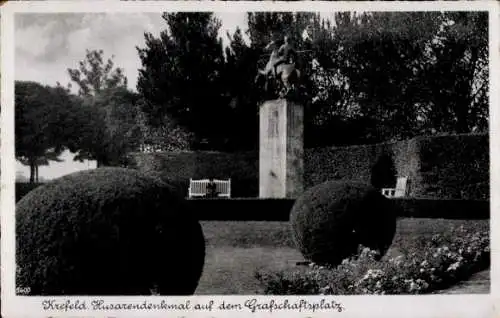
(236, 250)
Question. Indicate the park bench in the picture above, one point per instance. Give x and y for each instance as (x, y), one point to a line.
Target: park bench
(399, 191)
(198, 188)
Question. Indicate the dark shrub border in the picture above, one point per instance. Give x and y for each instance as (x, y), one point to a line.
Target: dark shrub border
(443, 208)
(252, 209)
(242, 209)
(255, 209)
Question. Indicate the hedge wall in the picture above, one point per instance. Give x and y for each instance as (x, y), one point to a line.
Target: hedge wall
(455, 166)
(435, 166)
(242, 209)
(443, 208)
(242, 168)
(248, 209)
(349, 163)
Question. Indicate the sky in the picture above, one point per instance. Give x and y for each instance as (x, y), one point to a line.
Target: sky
(47, 44)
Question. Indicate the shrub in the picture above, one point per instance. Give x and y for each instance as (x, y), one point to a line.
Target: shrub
(441, 262)
(443, 161)
(383, 172)
(330, 220)
(375, 224)
(108, 231)
(434, 164)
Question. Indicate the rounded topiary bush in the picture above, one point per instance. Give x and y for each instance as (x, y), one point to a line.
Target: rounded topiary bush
(108, 231)
(329, 221)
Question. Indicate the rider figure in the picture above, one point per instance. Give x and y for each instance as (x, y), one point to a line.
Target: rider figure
(286, 54)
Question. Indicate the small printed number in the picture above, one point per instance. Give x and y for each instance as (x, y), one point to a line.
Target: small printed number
(23, 290)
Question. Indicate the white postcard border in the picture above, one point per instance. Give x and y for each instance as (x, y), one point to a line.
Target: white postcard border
(372, 306)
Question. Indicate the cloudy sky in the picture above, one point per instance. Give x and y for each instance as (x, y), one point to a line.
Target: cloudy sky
(47, 44)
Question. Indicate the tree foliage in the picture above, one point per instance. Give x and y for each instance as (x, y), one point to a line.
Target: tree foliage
(46, 118)
(94, 74)
(367, 77)
(377, 76)
(181, 75)
(111, 128)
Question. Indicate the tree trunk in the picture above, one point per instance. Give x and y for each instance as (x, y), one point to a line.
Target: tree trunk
(32, 171)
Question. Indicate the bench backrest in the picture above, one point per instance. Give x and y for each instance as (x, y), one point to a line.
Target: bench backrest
(198, 188)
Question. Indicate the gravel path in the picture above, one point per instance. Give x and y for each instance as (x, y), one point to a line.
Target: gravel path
(479, 283)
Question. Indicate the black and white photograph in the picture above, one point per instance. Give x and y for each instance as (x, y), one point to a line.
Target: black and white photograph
(251, 152)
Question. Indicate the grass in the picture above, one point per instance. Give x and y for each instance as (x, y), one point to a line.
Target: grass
(236, 250)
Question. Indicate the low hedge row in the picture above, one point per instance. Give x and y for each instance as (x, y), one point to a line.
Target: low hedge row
(249, 209)
(255, 209)
(242, 209)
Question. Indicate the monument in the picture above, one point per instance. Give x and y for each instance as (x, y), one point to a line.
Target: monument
(281, 153)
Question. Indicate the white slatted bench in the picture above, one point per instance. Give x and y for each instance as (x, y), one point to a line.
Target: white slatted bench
(399, 191)
(198, 188)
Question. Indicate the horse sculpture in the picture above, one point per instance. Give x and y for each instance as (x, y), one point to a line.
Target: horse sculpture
(278, 69)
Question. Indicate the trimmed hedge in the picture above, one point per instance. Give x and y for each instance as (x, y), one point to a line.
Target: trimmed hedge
(254, 209)
(443, 208)
(455, 166)
(331, 220)
(241, 209)
(435, 166)
(179, 167)
(107, 231)
(450, 166)
(352, 163)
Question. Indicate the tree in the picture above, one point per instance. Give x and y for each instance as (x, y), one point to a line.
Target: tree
(94, 75)
(167, 137)
(111, 129)
(457, 74)
(376, 76)
(242, 61)
(181, 76)
(380, 53)
(238, 76)
(45, 119)
(400, 74)
(44, 160)
(320, 88)
(366, 77)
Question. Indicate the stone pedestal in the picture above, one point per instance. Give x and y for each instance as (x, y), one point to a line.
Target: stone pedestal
(281, 155)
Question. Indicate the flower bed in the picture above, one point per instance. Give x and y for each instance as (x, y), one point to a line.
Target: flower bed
(425, 267)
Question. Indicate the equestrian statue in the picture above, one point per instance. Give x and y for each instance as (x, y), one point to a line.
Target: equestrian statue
(281, 67)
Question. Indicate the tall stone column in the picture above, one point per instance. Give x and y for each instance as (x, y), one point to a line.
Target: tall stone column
(281, 155)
